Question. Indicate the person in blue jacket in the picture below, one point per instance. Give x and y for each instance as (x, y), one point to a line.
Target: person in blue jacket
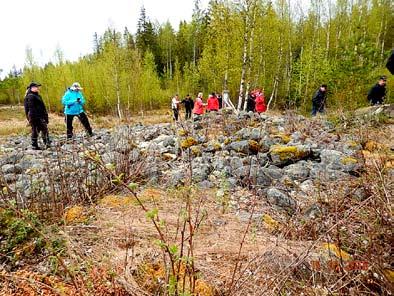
(73, 101)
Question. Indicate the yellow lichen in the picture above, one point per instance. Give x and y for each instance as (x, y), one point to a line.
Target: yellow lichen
(334, 250)
(270, 223)
(188, 142)
(196, 151)
(182, 132)
(74, 214)
(348, 160)
(287, 152)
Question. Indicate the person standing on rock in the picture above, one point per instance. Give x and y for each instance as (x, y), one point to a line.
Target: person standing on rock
(37, 115)
(319, 100)
(260, 105)
(198, 109)
(377, 93)
(175, 107)
(73, 101)
(212, 103)
(189, 104)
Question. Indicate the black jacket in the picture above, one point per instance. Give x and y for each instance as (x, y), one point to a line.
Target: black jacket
(189, 104)
(250, 103)
(319, 98)
(377, 94)
(35, 107)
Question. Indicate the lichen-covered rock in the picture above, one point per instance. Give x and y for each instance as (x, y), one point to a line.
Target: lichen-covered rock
(282, 155)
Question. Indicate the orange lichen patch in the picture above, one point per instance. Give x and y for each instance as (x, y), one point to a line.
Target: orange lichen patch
(203, 289)
(334, 250)
(151, 194)
(373, 146)
(74, 214)
(115, 201)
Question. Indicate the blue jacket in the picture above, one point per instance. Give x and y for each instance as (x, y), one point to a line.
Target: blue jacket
(73, 106)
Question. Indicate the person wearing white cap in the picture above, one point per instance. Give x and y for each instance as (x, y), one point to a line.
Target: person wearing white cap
(73, 101)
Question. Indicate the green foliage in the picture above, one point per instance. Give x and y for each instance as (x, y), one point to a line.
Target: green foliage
(22, 236)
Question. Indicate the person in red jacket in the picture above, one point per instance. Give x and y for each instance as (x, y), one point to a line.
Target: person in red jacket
(212, 103)
(260, 105)
(198, 109)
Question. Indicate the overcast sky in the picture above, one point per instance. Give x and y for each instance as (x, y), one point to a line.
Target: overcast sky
(44, 25)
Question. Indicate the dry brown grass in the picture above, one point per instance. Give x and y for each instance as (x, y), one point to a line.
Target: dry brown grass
(13, 121)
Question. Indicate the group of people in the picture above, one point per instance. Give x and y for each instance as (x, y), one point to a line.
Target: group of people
(376, 96)
(197, 107)
(37, 115)
(73, 102)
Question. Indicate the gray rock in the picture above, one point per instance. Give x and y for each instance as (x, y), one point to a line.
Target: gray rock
(201, 172)
(281, 199)
(313, 212)
(298, 171)
(240, 146)
(10, 178)
(336, 160)
(11, 169)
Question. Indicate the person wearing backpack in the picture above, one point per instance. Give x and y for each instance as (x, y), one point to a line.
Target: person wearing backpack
(319, 100)
(73, 101)
(377, 93)
(37, 115)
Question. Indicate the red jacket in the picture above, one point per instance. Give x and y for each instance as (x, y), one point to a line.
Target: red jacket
(213, 103)
(260, 104)
(198, 107)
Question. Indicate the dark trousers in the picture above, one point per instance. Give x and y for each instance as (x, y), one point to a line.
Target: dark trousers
(317, 107)
(83, 119)
(39, 125)
(188, 113)
(176, 114)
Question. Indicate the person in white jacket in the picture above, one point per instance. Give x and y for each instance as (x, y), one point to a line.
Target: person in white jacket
(175, 107)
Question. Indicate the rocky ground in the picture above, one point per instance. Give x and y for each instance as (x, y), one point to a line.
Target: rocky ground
(252, 170)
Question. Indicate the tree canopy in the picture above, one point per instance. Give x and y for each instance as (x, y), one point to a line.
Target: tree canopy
(235, 45)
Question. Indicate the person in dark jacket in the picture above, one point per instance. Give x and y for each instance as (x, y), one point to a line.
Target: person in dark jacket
(220, 99)
(377, 93)
(37, 115)
(250, 103)
(189, 104)
(319, 100)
